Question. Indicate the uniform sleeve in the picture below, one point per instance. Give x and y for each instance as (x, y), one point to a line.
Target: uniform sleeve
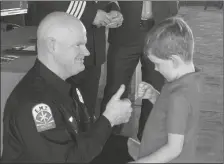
(112, 6)
(177, 115)
(51, 143)
(86, 10)
(83, 10)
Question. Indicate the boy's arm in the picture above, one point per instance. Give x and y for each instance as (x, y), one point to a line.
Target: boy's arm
(166, 153)
(176, 125)
(133, 148)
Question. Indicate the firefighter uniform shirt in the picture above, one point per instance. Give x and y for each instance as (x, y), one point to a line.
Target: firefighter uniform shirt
(44, 122)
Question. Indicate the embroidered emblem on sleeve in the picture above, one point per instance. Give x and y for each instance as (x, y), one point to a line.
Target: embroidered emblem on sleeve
(43, 117)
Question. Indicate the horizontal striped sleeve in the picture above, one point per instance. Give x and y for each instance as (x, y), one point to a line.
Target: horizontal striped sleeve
(70, 7)
(82, 10)
(76, 8)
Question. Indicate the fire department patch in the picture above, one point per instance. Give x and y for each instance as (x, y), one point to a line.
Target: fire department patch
(43, 117)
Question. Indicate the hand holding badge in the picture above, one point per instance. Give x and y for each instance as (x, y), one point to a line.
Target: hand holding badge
(147, 91)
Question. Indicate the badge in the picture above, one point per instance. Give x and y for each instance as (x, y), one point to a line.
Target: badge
(79, 95)
(73, 124)
(43, 117)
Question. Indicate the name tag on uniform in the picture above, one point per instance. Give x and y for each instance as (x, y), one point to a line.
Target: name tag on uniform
(43, 117)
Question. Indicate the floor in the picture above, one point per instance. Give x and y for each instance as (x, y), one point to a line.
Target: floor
(207, 28)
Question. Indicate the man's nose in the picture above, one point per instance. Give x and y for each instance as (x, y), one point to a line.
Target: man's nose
(86, 52)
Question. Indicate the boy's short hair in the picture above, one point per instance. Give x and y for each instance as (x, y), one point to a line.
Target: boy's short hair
(170, 37)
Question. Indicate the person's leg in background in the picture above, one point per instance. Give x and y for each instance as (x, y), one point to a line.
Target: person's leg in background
(88, 84)
(154, 78)
(121, 64)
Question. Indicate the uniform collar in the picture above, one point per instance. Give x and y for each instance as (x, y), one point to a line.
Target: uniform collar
(187, 80)
(51, 78)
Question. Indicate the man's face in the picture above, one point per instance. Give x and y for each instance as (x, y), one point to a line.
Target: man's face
(70, 54)
(165, 67)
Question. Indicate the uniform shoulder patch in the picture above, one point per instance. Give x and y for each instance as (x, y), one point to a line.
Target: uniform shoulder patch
(43, 117)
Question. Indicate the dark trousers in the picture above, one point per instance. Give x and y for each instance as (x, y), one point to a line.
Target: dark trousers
(88, 84)
(121, 65)
(154, 78)
(114, 151)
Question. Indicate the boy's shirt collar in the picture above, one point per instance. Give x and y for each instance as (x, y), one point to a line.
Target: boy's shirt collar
(192, 78)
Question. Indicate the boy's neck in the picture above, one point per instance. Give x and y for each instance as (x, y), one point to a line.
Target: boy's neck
(185, 69)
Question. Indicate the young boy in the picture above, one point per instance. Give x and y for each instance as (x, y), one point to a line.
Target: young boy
(170, 131)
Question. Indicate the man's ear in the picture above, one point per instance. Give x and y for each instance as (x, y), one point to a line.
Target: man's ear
(176, 60)
(51, 44)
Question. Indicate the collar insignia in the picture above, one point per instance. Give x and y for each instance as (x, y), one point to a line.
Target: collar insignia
(80, 96)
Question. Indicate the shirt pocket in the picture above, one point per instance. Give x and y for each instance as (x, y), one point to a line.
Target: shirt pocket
(58, 135)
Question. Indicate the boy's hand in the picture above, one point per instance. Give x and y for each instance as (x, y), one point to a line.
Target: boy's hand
(146, 91)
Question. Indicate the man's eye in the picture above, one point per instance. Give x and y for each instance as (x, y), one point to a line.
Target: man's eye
(76, 46)
(80, 44)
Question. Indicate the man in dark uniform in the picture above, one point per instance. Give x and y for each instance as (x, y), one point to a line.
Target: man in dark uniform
(45, 120)
(126, 48)
(94, 16)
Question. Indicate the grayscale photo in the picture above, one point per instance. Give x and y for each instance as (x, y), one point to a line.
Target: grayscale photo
(111, 82)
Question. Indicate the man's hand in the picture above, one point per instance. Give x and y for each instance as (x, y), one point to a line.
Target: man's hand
(118, 111)
(116, 19)
(146, 91)
(101, 19)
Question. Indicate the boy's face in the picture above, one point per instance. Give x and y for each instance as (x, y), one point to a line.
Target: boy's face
(165, 67)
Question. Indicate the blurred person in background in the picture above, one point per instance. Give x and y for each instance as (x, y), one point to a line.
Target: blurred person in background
(126, 49)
